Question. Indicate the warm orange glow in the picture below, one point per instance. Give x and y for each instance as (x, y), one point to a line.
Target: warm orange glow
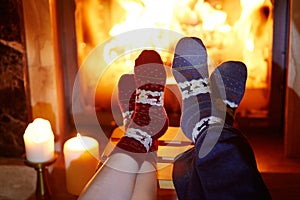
(231, 31)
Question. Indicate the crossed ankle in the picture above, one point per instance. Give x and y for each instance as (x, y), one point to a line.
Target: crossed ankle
(132, 148)
(132, 145)
(135, 145)
(139, 141)
(141, 136)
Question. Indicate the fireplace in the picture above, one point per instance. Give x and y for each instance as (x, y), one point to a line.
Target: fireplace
(245, 34)
(78, 29)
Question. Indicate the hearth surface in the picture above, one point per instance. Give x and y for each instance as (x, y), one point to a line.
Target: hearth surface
(281, 174)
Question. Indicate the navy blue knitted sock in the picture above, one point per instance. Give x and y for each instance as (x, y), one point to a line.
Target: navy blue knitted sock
(190, 71)
(228, 83)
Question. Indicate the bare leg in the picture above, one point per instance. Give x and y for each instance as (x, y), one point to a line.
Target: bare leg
(113, 181)
(146, 183)
(118, 176)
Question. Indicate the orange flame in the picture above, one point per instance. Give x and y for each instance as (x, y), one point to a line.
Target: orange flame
(230, 30)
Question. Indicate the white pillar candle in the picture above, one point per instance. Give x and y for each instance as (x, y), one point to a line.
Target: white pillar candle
(39, 141)
(81, 155)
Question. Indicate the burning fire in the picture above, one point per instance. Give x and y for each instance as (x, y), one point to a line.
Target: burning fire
(231, 30)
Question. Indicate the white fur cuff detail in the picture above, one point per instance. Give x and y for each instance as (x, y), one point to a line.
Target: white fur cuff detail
(194, 87)
(153, 98)
(140, 136)
(204, 123)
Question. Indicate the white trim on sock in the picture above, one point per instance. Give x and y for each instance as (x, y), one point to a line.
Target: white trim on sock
(143, 97)
(209, 120)
(141, 136)
(194, 87)
(231, 104)
(127, 116)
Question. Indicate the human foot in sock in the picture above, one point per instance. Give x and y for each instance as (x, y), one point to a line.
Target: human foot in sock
(126, 97)
(228, 82)
(126, 102)
(149, 121)
(190, 71)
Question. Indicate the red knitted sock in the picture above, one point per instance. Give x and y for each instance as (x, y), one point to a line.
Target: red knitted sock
(126, 97)
(149, 121)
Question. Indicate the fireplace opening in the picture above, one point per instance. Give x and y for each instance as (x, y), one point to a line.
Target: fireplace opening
(231, 30)
(253, 32)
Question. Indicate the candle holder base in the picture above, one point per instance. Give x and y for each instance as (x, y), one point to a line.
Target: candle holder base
(43, 191)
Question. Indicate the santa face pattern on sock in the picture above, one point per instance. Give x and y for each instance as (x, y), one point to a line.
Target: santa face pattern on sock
(126, 97)
(228, 83)
(190, 71)
(149, 121)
